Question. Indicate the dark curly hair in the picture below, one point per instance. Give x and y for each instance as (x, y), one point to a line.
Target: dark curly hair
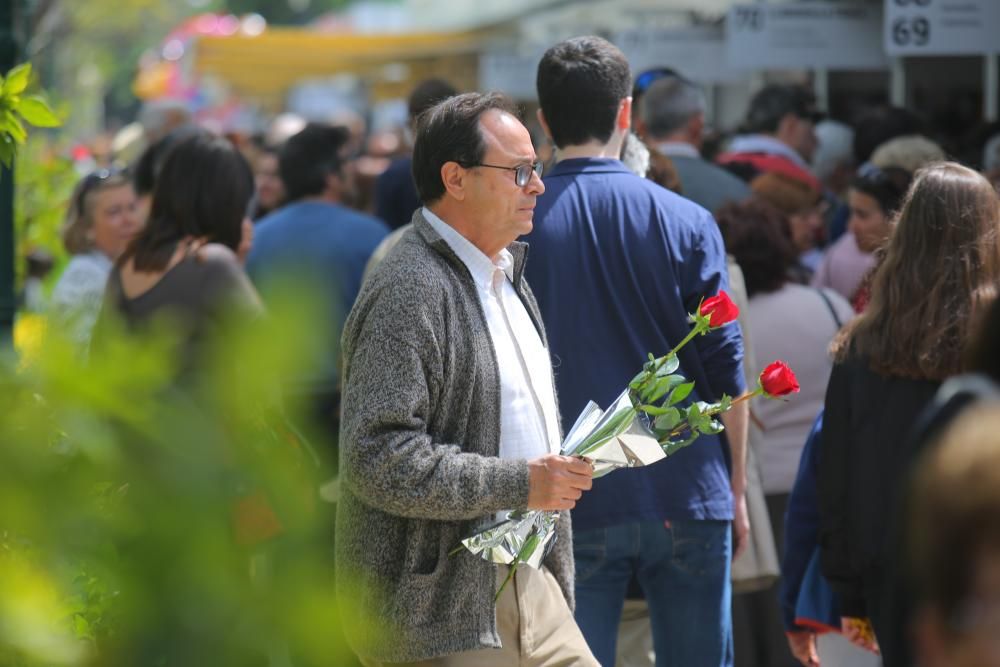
(757, 235)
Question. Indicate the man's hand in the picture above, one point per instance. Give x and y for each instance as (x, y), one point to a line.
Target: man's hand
(859, 632)
(741, 525)
(803, 647)
(557, 482)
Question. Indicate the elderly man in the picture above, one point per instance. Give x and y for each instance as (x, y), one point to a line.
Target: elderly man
(450, 415)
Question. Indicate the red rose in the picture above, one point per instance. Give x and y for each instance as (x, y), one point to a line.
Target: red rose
(720, 310)
(778, 380)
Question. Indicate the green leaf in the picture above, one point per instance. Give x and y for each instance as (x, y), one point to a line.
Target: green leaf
(14, 128)
(668, 420)
(637, 380)
(669, 366)
(712, 427)
(17, 80)
(662, 386)
(693, 414)
(35, 110)
(680, 393)
(672, 447)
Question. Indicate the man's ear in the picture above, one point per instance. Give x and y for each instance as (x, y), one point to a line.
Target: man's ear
(453, 176)
(545, 126)
(624, 119)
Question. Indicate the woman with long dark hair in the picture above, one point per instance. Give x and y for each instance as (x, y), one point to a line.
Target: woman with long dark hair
(184, 264)
(941, 270)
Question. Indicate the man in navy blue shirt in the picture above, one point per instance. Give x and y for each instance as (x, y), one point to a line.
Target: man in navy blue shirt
(317, 247)
(618, 263)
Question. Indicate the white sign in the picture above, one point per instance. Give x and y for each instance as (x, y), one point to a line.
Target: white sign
(941, 27)
(511, 73)
(698, 53)
(797, 35)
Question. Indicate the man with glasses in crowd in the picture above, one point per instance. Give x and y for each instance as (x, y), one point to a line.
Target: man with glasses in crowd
(618, 263)
(450, 415)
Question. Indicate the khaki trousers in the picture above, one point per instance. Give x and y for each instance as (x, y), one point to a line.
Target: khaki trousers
(535, 625)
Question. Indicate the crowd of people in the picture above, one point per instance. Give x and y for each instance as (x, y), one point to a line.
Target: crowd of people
(848, 525)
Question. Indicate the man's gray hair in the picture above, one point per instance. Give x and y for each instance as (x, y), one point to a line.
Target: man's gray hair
(670, 103)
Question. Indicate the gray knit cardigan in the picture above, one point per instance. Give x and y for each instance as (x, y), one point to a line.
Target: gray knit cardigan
(419, 466)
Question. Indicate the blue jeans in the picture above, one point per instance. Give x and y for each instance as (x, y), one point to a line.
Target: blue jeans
(683, 570)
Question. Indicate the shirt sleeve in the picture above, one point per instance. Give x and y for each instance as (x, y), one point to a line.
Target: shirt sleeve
(706, 274)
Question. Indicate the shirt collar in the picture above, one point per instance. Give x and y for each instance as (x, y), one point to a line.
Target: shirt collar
(480, 266)
(591, 165)
(678, 149)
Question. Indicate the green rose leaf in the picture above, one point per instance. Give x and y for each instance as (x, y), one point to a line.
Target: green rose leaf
(669, 366)
(680, 393)
(34, 110)
(667, 421)
(662, 386)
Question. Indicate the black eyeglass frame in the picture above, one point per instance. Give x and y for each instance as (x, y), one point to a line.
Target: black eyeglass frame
(522, 172)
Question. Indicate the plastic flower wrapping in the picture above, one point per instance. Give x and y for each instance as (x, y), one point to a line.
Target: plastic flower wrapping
(648, 422)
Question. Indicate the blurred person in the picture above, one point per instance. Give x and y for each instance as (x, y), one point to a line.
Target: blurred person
(159, 118)
(620, 249)
(878, 125)
(270, 193)
(450, 415)
(873, 199)
(796, 324)
(315, 243)
(909, 153)
(100, 222)
(954, 543)
(941, 269)
(147, 167)
(183, 265)
(673, 113)
(643, 81)
(395, 193)
(284, 126)
(779, 135)
(833, 160)
(804, 206)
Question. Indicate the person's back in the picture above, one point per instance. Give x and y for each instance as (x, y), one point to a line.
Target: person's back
(618, 263)
(315, 246)
(622, 241)
(707, 184)
(796, 324)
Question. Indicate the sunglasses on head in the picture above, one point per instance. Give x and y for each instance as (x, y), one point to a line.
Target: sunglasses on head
(92, 181)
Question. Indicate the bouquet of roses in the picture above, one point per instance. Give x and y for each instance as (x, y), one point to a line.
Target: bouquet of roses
(648, 422)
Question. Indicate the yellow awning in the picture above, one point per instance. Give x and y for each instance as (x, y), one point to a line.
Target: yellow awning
(265, 66)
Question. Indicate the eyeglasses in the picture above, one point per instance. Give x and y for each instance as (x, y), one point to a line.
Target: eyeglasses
(91, 181)
(522, 172)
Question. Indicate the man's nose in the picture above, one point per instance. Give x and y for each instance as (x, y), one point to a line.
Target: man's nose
(535, 185)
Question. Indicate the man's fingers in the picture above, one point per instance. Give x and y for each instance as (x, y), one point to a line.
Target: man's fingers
(578, 466)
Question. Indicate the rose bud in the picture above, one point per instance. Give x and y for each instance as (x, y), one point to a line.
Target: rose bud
(720, 310)
(778, 380)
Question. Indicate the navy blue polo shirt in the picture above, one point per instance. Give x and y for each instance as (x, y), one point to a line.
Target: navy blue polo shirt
(617, 262)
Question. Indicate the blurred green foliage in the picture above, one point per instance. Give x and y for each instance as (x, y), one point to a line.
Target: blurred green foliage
(147, 522)
(44, 178)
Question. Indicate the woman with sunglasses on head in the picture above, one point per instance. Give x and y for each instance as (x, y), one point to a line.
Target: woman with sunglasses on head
(100, 222)
(184, 263)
